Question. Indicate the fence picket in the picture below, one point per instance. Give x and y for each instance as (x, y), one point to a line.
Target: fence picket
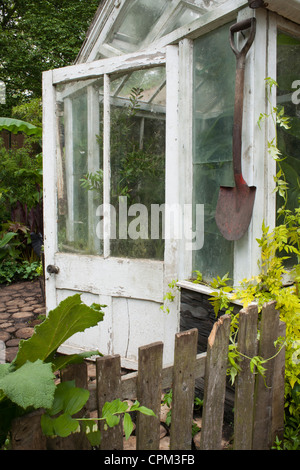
(108, 377)
(183, 389)
(215, 385)
(149, 395)
(278, 390)
(245, 380)
(262, 438)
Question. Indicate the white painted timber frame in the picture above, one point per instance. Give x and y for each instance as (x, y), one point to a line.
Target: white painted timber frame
(133, 290)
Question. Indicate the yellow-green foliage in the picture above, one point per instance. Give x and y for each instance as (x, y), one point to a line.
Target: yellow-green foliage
(268, 285)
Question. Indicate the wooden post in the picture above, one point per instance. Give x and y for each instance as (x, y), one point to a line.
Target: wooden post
(26, 432)
(76, 372)
(278, 391)
(215, 385)
(149, 395)
(262, 438)
(108, 378)
(183, 389)
(245, 381)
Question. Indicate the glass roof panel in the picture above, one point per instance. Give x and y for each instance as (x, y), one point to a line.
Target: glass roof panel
(185, 16)
(141, 22)
(139, 18)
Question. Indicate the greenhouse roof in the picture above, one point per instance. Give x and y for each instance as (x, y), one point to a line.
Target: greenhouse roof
(125, 26)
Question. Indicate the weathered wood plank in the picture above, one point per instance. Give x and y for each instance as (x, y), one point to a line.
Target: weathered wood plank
(215, 385)
(76, 372)
(183, 389)
(108, 379)
(26, 432)
(113, 277)
(49, 184)
(149, 395)
(128, 62)
(245, 381)
(106, 165)
(278, 391)
(262, 439)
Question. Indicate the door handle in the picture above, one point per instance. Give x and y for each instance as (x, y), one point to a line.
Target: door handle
(51, 269)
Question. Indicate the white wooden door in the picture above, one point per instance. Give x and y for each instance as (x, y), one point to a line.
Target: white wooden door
(98, 119)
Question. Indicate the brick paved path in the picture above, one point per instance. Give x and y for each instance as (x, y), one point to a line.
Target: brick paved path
(21, 304)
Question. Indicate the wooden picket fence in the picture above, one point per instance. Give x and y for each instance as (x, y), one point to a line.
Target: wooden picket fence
(258, 404)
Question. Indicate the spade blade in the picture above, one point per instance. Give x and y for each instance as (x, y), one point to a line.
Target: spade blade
(234, 210)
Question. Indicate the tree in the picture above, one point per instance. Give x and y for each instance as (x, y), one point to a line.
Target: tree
(38, 35)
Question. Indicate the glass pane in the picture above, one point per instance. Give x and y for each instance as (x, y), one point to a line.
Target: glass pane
(185, 16)
(288, 96)
(149, 80)
(79, 163)
(137, 163)
(214, 84)
(140, 17)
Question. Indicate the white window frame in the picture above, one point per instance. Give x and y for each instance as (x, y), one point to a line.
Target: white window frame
(105, 68)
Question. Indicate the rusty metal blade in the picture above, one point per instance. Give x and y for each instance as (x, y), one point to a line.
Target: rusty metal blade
(234, 210)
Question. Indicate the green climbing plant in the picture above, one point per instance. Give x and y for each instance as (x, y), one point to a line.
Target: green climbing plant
(69, 400)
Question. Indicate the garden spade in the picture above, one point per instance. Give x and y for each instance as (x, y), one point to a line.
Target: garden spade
(235, 204)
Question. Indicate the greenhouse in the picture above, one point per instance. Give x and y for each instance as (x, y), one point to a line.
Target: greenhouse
(147, 137)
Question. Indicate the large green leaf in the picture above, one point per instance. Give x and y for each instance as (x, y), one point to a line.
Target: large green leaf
(75, 400)
(115, 406)
(59, 397)
(4, 369)
(70, 317)
(128, 425)
(68, 398)
(32, 385)
(64, 425)
(6, 239)
(16, 125)
(61, 362)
